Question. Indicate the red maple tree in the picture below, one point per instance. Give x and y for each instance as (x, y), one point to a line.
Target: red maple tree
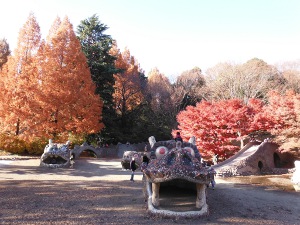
(217, 124)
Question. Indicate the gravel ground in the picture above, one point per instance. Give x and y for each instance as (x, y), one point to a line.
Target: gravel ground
(99, 192)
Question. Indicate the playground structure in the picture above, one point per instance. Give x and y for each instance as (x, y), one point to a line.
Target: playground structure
(127, 156)
(176, 166)
(56, 155)
(111, 151)
(254, 159)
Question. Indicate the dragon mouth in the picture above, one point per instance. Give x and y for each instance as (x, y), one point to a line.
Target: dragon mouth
(55, 155)
(54, 160)
(177, 198)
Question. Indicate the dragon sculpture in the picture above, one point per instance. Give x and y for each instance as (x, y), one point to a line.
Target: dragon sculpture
(56, 155)
(127, 156)
(175, 164)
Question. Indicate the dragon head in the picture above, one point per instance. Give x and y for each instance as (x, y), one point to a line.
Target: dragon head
(127, 156)
(56, 155)
(176, 164)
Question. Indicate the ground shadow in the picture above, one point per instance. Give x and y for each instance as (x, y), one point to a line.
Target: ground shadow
(86, 167)
(122, 202)
(100, 202)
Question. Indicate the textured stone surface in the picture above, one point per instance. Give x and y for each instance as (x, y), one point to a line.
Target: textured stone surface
(127, 157)
(177, 165)
(56, 155)
(85, 147)
(254, 158)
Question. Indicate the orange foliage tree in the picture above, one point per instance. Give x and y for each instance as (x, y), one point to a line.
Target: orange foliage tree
(68, 100)
(159, 90)
(46, 87)
(19, 77)
(217, 124)
(128, 84)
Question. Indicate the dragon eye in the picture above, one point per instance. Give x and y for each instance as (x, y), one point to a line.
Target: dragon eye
(161, 151)
(190, 150)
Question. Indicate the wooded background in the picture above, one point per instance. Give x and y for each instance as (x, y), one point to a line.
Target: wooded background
(79, 86)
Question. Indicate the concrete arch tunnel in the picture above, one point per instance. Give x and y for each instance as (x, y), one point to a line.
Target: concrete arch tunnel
(79, 150)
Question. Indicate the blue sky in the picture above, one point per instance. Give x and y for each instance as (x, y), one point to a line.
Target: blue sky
(176, 35)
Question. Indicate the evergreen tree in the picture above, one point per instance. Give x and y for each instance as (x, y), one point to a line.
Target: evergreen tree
(96, 45)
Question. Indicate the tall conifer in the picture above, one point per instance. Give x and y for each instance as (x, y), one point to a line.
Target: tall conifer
(96, 45)
(70, 104)
(19, 82)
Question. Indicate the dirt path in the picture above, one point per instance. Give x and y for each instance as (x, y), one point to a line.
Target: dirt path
(99, 192)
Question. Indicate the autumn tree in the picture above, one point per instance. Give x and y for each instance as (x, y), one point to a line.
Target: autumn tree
(216, 125)
(158, 97)
(168, 99)
(20, 81)
(128, 84)
(4, 51)
(159, 91)
(67, 97)
(96, 45)
(283, 109)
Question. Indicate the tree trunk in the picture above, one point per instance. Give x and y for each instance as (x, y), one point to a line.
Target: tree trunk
(18, 127)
